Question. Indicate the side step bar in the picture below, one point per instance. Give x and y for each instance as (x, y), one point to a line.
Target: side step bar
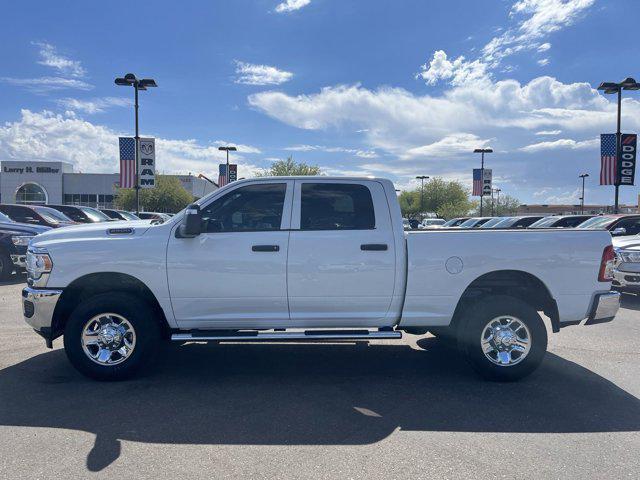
(309, 335)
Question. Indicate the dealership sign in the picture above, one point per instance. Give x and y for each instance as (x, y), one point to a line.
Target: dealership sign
(486, 182)
(627, 159)
(147, 165)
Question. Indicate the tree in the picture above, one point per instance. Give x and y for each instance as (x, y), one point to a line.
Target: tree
(168, 196)
(445, 199)
(288, 167)
(507, 206)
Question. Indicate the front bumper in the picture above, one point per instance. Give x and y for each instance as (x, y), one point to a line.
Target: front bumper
(627, 278)
(38, 306)
(604, 307)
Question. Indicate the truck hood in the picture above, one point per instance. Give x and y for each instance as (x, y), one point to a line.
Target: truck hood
(632, 241)
(94, 230)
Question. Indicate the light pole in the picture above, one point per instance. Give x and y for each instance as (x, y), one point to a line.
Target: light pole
(227, 149)
(130, 80)
(609, 88)
(422, 178)
(482, 151)
(497, 190)
(582, 176)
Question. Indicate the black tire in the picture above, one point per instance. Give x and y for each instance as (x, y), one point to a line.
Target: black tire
(473, 326)
(6, 266)
(137, 312)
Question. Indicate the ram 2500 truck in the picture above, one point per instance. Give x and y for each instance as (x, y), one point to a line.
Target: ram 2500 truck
(310, 259)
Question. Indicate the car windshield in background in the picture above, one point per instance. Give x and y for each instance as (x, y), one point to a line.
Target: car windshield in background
(52, 215)
(452, 223)
(128, 216)
(491, 223)
(94, 215)
(469, 223)
(545, 222)
(597, 222)
(505, 222)
(4, 218)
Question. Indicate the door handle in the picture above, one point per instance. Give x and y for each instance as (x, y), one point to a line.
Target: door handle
(376, 247)
(266, 248)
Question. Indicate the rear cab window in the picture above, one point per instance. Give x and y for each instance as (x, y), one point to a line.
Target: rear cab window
(336, 206)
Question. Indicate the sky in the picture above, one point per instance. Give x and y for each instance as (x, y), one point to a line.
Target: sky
(387, 88)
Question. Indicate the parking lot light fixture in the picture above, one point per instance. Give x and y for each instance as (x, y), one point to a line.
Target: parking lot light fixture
(482, 151)
(422, 178)
(582, 176)
(609, 88)
(130, 80)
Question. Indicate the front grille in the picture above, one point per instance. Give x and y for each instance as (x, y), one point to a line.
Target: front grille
(28, 308)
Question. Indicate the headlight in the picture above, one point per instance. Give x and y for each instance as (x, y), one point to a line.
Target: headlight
(21, 240)
(628, 256)
(38, 264)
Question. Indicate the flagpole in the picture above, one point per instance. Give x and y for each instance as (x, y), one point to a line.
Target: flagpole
(618, 151)
(137, 186)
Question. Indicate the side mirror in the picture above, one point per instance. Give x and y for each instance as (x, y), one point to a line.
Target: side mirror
(191, 225)
(619, 231)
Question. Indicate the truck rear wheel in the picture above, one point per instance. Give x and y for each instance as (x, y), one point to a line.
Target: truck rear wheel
(111, 336)
(503, 338)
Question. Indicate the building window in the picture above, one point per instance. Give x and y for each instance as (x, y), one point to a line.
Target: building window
(31, 193)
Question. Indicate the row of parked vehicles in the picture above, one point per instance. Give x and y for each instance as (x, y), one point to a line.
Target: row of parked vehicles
(617, 225)
(20, 223)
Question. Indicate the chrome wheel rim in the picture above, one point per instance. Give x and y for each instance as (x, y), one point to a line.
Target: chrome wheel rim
(505, 341)
(108, 339)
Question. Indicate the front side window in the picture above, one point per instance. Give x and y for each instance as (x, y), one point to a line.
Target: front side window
(254, 208)
(336, 206)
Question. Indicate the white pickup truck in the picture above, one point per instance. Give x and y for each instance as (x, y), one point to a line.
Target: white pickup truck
(310, 259)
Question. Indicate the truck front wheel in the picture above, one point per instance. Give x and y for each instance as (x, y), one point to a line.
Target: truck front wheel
(110, 336)
(503, 338)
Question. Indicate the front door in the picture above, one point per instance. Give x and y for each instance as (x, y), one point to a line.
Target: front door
(233, 275)
(342, 260)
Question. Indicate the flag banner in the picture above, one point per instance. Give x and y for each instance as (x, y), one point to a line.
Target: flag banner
(627, 167)
(127, 162)
(223, 179)
(147, 159)
(487, 186)
(608, 159)
(477, 182)
(222, 175)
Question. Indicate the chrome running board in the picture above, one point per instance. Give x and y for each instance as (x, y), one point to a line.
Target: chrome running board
(307, 335)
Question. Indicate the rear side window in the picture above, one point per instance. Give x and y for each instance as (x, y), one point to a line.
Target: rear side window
(631, 225)
(336, 206)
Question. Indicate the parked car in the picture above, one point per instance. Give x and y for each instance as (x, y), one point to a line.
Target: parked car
(14, 239)
(618, 225)
(253, 261)
(163, 217)
(431, 223)
(626, 273)
(516, 222)
(474, 222)
(492, 222)
(36, 215)
(81, 214)
(454, 222)
(119, 214)
(560, 221)
(405, 224)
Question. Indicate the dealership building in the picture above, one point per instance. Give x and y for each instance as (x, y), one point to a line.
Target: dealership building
(57, 183)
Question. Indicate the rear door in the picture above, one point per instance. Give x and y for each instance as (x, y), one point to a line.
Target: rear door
(342, 263)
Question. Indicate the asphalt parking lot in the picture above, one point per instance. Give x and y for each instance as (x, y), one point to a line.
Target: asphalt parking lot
(383, 410)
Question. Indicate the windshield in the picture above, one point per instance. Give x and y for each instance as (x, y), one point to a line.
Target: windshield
(451, 223)
(128, 215)
(597, 222)
(506, 222)
(432, 221)
(4, 218)
(469, 223)
(52, 215)
(492, 222)
(94, 215)
(545, 222)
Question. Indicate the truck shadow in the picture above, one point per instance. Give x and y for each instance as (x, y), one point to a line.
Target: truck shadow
(15, 279)
(296, 394)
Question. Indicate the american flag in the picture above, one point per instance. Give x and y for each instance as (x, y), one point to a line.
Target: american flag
(608, 162)
(127, 162)
(477, 182)
(222, 176)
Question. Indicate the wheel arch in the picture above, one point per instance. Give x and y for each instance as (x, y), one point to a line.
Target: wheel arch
(92, 284)
(515, 283)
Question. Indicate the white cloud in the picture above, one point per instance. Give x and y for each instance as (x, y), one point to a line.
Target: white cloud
(251, 74)
(535, 20)
(291, 5)
(543, 62)
(565, 198)
(94, 148)
(353, 151)
(47, 84)
(450, 146)
(549, 132)
(96, 105)
(51, 58)
(561, 143)
(241, 148)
